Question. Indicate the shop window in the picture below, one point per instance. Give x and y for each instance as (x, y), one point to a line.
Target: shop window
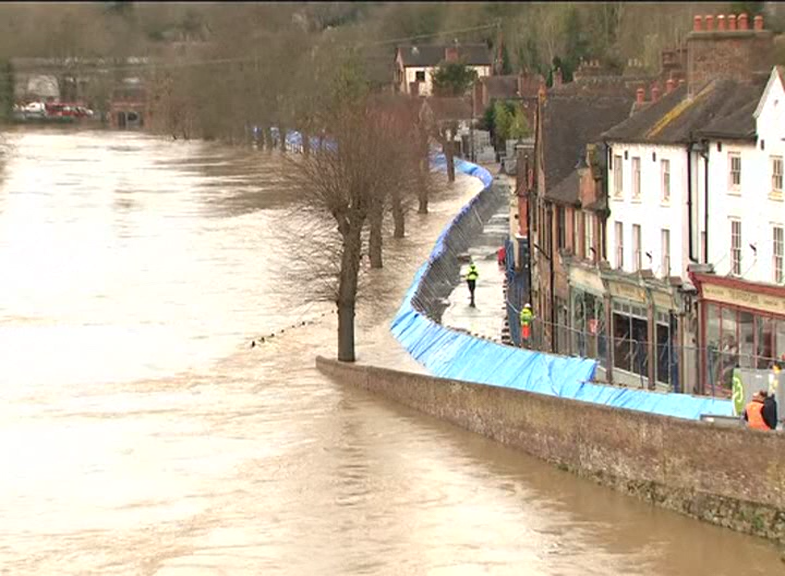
(729, 351)
(713, 343)
(622, 349)
(779, 340)
(764, 328)
(746, 340)
(664, 350)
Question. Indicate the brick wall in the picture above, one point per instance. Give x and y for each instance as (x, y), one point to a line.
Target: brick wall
(736, 55)
(728, 476)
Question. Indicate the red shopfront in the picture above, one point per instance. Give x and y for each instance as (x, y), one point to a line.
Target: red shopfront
(742, 324)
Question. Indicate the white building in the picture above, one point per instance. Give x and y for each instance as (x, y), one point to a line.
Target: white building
(746, 206)
(416, 64)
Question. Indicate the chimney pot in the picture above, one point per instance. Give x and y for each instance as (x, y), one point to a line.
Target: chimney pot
(709, 19)
(742, 21)
(731, 21)
(697, 23)
(758, 22)
(655, 93)
(640, 95)
(669, 86)
(721, 23)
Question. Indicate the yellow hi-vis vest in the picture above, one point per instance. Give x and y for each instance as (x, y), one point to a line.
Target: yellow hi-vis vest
(473, 273)
(526, 316)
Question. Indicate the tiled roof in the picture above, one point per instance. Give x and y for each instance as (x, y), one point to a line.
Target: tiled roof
(677, 117)
(501, 87)
(566, 191)
(429, 56)
(571, 122)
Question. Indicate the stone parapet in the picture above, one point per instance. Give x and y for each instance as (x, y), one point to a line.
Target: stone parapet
(728, 476)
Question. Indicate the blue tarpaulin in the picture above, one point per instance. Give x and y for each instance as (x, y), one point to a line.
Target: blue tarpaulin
(452, 354)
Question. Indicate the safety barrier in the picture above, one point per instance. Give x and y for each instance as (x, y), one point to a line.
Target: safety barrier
(449, 353)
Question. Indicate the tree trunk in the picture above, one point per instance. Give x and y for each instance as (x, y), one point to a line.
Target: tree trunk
(399, 222)
(422, 187)
(282, 138)
(267, 137)
(375, 238)
(347, 289)
(306, 142)
(450, 161)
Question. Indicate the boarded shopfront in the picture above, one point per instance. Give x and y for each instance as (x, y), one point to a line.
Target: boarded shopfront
(742, 326)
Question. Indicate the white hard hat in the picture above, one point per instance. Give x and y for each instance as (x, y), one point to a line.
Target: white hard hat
(527, 305)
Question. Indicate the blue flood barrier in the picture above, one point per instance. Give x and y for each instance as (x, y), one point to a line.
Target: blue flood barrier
(449, 353)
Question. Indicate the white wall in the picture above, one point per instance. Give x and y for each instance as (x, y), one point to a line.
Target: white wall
(426, 88)
(650, 211)
(753, 203)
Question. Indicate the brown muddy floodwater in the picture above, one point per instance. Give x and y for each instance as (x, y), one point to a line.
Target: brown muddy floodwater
(140, 434)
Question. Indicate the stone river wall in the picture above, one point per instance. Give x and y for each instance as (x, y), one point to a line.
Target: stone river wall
(733, 477)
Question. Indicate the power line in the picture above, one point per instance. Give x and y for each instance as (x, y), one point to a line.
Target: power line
(189, 63)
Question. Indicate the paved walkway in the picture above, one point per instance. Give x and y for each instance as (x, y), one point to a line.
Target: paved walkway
(487, 318)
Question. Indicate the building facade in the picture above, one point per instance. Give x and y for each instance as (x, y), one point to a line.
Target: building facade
(415, 65)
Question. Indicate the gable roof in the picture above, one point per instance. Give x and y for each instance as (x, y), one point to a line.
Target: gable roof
(569, 123)
(677, 117)
(431, 55)
(777, 74)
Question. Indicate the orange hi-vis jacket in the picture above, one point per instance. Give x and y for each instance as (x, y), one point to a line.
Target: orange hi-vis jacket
(754, 412)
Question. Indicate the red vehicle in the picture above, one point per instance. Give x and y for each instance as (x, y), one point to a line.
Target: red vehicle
(67, 110)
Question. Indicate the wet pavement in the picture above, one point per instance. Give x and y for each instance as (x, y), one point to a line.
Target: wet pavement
(487, 318)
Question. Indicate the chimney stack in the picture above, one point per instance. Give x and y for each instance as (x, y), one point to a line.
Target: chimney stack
(697, 24)
(655, 93)
(709, 19)
(640, 95)
(451, 54)
(731, 21)
(557, 77)
(669, 86)
(721, 23)
(743, 22)
(758, 23)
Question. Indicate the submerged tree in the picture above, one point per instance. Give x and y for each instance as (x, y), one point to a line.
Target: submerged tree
(343, 180)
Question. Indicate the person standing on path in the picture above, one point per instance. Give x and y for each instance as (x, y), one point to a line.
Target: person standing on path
(471, 280)
(526, 320)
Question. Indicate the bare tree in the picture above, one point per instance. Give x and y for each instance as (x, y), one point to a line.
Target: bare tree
(341, 180)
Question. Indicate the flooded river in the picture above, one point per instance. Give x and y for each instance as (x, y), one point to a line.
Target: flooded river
(140, 433)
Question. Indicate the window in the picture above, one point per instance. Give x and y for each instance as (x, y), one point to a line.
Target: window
(619, 233)
(576, 231)
(419, 75)
(735, 247)
(666, 252)
(776, 175)
(618, 179)
(734, 160)
(588, 236)
(636, 247)
(561, 227)
(636, 178)
(778, 254)
(665, 167)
